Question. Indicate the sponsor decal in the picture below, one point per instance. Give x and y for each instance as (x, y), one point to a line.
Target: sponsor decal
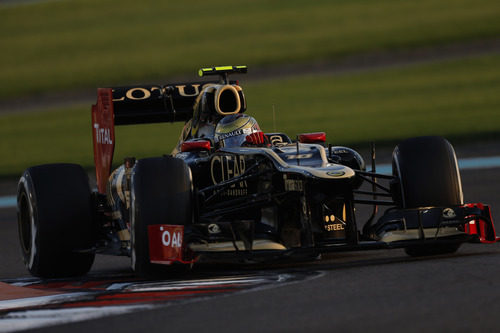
(339, 173)
(173, 240)
(213, 228)
(103, 135)
(138, 93)
(340, 151)
(276, 140)
(225, 167)
(165, 243)
(298, 156)
(182, 92)
(334, 227)
(449, 213)
(146, 92)
(230, 134)
(333, 224)
(293, 185)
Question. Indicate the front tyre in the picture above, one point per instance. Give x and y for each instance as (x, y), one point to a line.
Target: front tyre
(161, 194)
(54, 209)
(428, 175)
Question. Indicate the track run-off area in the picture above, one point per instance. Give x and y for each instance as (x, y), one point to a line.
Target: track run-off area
(365, 290)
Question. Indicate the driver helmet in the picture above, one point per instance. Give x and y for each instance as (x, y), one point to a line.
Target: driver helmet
(233, 130)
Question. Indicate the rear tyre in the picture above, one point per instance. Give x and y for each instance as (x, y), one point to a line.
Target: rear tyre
(161, 194)
(54, 209)
(428, 175)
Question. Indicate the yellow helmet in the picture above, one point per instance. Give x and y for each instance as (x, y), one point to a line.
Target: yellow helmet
(232, 131)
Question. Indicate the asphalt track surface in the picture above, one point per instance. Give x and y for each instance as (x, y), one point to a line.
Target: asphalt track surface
(355, 291)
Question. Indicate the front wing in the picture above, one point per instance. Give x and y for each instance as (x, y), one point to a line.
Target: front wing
(473, 222)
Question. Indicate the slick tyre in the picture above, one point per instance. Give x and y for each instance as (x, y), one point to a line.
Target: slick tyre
(428, 175)
(55, 220)
(161, 193)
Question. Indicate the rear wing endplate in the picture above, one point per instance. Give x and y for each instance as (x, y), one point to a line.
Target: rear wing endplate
(136, 105)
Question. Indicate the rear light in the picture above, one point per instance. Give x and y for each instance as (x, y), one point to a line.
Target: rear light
(195, 145)
(318, 137)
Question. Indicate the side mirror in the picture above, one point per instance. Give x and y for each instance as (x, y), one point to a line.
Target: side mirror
(195, 145)
(318, 137)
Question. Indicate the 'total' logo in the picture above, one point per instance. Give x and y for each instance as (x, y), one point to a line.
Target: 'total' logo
(165, 243)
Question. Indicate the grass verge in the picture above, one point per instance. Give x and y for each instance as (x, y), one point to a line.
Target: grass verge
(60, 45)
(456, 99)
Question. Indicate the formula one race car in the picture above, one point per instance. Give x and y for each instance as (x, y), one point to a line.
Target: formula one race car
(229, 191)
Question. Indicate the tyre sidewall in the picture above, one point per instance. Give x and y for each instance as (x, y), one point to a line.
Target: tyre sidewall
(428, 173)
(60, 214)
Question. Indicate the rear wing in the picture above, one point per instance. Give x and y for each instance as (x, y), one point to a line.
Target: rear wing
(153, 104)
(136, 105)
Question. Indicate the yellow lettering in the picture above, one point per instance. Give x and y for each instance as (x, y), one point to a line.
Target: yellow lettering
(118, 99)
(242, 171)
(212, 168)
(334, 227)
(157, 88)
(182, 92)
(145, 94)
(228, 168)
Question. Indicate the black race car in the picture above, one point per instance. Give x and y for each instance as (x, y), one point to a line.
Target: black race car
(228, 191)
